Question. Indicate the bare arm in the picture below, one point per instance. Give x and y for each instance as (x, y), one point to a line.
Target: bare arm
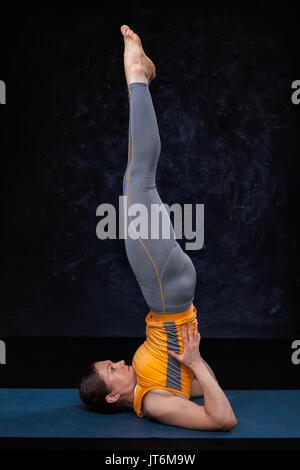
(176, 411)
(215, 415)
(209, 369)
(216, 403)
(196, 387)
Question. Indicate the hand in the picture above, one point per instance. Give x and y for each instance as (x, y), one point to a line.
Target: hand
(191, 353)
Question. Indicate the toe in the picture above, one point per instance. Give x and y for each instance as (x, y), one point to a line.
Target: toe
(124, 29)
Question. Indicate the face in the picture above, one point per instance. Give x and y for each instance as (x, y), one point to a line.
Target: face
(120, 378)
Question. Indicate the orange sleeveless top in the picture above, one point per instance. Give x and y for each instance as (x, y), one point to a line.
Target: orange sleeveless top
(153, 366)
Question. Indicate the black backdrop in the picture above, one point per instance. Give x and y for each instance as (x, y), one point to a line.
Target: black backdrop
(230, 140)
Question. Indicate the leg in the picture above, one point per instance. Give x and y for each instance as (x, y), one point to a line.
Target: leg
(165, 274)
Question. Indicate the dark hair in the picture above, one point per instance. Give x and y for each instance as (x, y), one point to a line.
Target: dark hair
(93, 390)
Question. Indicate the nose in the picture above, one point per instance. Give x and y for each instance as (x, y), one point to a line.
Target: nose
(122, 363)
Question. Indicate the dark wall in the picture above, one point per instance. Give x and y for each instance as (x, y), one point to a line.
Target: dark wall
(230, 140)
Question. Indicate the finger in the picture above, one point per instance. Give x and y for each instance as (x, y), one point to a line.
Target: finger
(174, 355)
(195, 333)
(188, 327)
(190, 330)
(183, 333)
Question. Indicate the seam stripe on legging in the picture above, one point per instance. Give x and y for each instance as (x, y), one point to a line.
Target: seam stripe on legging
(129, 169)
(128, 149)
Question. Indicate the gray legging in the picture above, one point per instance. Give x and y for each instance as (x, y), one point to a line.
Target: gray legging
(164, 272)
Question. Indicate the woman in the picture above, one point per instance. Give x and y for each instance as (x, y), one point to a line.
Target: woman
(167, 369)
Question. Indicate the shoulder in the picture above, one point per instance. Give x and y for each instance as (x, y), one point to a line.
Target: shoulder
(156, 399)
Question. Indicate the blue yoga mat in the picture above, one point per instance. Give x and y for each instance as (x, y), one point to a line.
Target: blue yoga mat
(59, 413)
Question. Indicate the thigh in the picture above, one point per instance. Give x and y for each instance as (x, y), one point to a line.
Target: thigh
(147, 255)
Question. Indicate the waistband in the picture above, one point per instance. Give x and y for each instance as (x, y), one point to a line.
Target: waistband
(173, 316)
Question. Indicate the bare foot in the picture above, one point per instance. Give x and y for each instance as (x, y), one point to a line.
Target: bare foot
(138, 67)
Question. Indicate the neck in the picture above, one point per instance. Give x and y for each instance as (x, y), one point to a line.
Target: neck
(130, 399)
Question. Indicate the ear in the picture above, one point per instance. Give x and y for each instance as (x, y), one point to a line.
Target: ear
(112, 397)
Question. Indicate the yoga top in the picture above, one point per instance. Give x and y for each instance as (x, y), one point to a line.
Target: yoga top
(153, 366)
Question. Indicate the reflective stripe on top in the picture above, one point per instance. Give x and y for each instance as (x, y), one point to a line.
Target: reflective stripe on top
(173, 379)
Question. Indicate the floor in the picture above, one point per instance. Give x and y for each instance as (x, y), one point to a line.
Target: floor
(58, 413)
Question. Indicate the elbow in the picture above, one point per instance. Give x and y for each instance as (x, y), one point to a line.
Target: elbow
(229, 424)
(226, 423)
